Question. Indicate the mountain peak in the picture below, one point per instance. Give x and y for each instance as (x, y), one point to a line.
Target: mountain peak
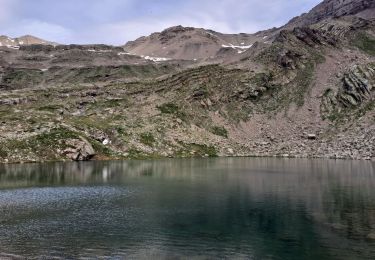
(178, 29)
(189, 43)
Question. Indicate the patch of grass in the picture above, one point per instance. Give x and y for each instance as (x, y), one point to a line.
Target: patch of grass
(196, 150)
(120, 130)
(370, 106)
(22, 77)
(200, 92)
(101, 149)
(147, 139)
(50, 108)
(263, 79)
(168, 108)
(173, 109)
(302, 83)
(3, 152)
(220, 131)
(236, 113)
(111, 103)
(91, 122)
(365, 43)
(139, 155)
(43, 146)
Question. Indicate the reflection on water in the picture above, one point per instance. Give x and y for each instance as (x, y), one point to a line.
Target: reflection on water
(205, 208)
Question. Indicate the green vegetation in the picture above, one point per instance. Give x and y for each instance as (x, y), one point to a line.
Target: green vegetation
(134, 153)
(101, 149)
(365, 43)
(22, 77)
(43, 145)
(220, 131)
(168, 108)
(302, 83)
(114, 102)
(147, 139)
(196, 150)
(50, 108)
(173, 109)
(3, 152)
(263, 79)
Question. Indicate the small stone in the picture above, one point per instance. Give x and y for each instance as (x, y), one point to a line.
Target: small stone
(311, 136)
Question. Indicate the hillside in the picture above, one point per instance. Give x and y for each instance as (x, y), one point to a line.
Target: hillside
(303, 90)
(187, 43)
(25, 40)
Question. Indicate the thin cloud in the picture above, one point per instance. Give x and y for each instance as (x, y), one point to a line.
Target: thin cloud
(118, 21)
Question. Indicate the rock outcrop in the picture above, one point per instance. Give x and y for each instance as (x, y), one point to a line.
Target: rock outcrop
(334, 9)
(357, 85)
(79, 150)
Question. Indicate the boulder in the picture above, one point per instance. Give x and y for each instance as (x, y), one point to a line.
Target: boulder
(79, 150)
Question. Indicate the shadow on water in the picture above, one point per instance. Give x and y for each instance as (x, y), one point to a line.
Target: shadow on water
(207, 208)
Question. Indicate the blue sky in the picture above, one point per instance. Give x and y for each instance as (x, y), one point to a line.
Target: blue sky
(118, 21)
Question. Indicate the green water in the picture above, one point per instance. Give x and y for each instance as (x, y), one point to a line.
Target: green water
(236, 208)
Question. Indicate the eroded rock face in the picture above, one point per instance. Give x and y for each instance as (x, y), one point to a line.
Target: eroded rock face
(357, 85)
(356, 88)
(79, 150)
(335, 9)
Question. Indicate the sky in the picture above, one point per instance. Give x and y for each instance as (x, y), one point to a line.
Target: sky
(118, 21)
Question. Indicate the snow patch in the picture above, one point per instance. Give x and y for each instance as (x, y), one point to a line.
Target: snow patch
(240, 49)
(265, 37)
(100, 51)
(16, 47)
(245, 47)
(155, 59)
(123, 53)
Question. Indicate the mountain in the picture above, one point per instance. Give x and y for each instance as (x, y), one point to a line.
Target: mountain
(306, 89)
(187, 43)
(23, 40)
(331, 9)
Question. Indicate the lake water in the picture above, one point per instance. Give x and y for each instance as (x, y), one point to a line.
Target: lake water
(234, 208)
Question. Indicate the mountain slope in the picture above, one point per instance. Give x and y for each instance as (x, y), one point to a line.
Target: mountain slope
(22, 41)
(189, 43)
(309, 92)
(335, 9)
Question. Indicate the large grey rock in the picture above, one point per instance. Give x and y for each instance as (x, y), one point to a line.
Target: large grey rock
(79, 150)
(357, 86)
